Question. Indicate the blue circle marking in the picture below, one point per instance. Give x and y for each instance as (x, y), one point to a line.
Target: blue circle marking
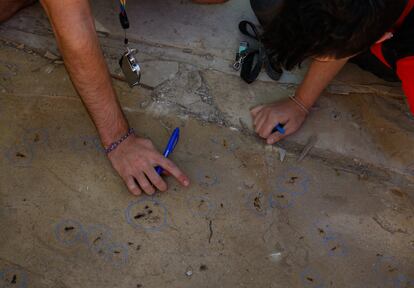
(311, 279)
(276, 202)
(294, 181)
(387, 263)
(21, 278)
(36, 136)
(117, 254)
(401, 281)
(102, 237)
(330, 240)
(131, 221)
(251, 203)
(20, 155)
(72, 224)
(200, 200)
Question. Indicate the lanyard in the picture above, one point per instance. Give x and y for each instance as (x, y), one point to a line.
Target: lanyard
(123, 18)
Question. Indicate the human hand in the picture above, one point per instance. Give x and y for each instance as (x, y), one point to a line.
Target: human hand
(135, 161)
(285, 112)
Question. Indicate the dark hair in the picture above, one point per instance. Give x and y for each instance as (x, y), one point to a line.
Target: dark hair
(332, 28)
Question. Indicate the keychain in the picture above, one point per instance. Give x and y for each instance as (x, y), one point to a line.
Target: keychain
(240, 55)
(128, 62)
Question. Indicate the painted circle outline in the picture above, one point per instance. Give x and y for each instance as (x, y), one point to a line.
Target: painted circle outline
(43, 131)
(249, 198)
(23, 275)
(277, 205)
(80, 236)
(303, 183)
(131, 222)
(313, 273)
(10, 157)
(211, 206)
(93, 227)
(109, 256)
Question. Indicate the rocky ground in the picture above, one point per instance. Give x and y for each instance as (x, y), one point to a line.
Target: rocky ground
(254, 216)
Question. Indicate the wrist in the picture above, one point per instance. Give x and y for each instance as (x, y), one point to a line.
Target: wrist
(299, 105)
(304, 100)
(111, 133)
(111, 147)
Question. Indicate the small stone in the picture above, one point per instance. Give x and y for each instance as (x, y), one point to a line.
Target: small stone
(189, 271)
(49, 69)
(144, 104)
(20, 46)
(282, 154)
(50, 55)
(276, 256)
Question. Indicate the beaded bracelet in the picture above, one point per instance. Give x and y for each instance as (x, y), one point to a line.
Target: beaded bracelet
(115, 144)
(300, 104)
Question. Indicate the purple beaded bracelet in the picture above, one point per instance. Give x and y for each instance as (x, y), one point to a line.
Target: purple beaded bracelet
(114, 145)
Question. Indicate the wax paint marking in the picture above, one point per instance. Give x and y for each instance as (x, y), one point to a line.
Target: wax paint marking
(147, 214)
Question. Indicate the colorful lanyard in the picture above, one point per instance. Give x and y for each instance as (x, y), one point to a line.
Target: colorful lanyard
(123, 18)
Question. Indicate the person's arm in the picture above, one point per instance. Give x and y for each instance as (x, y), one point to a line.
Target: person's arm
(287, 112)
(135, 158)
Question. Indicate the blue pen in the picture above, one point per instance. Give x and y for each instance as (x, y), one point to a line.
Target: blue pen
(279, 128)
(170, 147)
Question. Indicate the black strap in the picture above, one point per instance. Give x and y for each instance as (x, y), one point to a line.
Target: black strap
(251, 66)
(256, 58)
(244, 28)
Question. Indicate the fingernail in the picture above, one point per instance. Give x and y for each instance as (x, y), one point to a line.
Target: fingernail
(186, 182)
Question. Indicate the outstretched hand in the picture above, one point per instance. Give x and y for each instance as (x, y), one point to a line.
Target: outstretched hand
(135, 161)
(285, 112)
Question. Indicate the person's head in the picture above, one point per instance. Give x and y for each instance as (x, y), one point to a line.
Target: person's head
(328, 28)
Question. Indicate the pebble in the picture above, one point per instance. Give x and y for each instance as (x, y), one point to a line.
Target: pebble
(50, 55)
(189, 271)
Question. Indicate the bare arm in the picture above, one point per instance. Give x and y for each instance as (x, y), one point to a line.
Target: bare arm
(318, 77)
(77, 40)
(266, 117)
(135, 158)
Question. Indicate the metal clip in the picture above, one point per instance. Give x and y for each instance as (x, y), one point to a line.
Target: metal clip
(240, 55)
(237, 65)
(130, 67)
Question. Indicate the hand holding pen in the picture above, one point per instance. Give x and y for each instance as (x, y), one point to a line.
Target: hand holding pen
(170, 147)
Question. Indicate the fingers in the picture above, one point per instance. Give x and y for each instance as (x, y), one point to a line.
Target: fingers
(169, 166)
(267, 128)
(277, 136)
(258, 121)
(256, 110)
(156, 179)
(144, 183)
(132, 186)
(265, 124)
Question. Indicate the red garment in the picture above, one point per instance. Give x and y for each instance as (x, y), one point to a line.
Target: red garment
(405, 71)
(404, 66)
